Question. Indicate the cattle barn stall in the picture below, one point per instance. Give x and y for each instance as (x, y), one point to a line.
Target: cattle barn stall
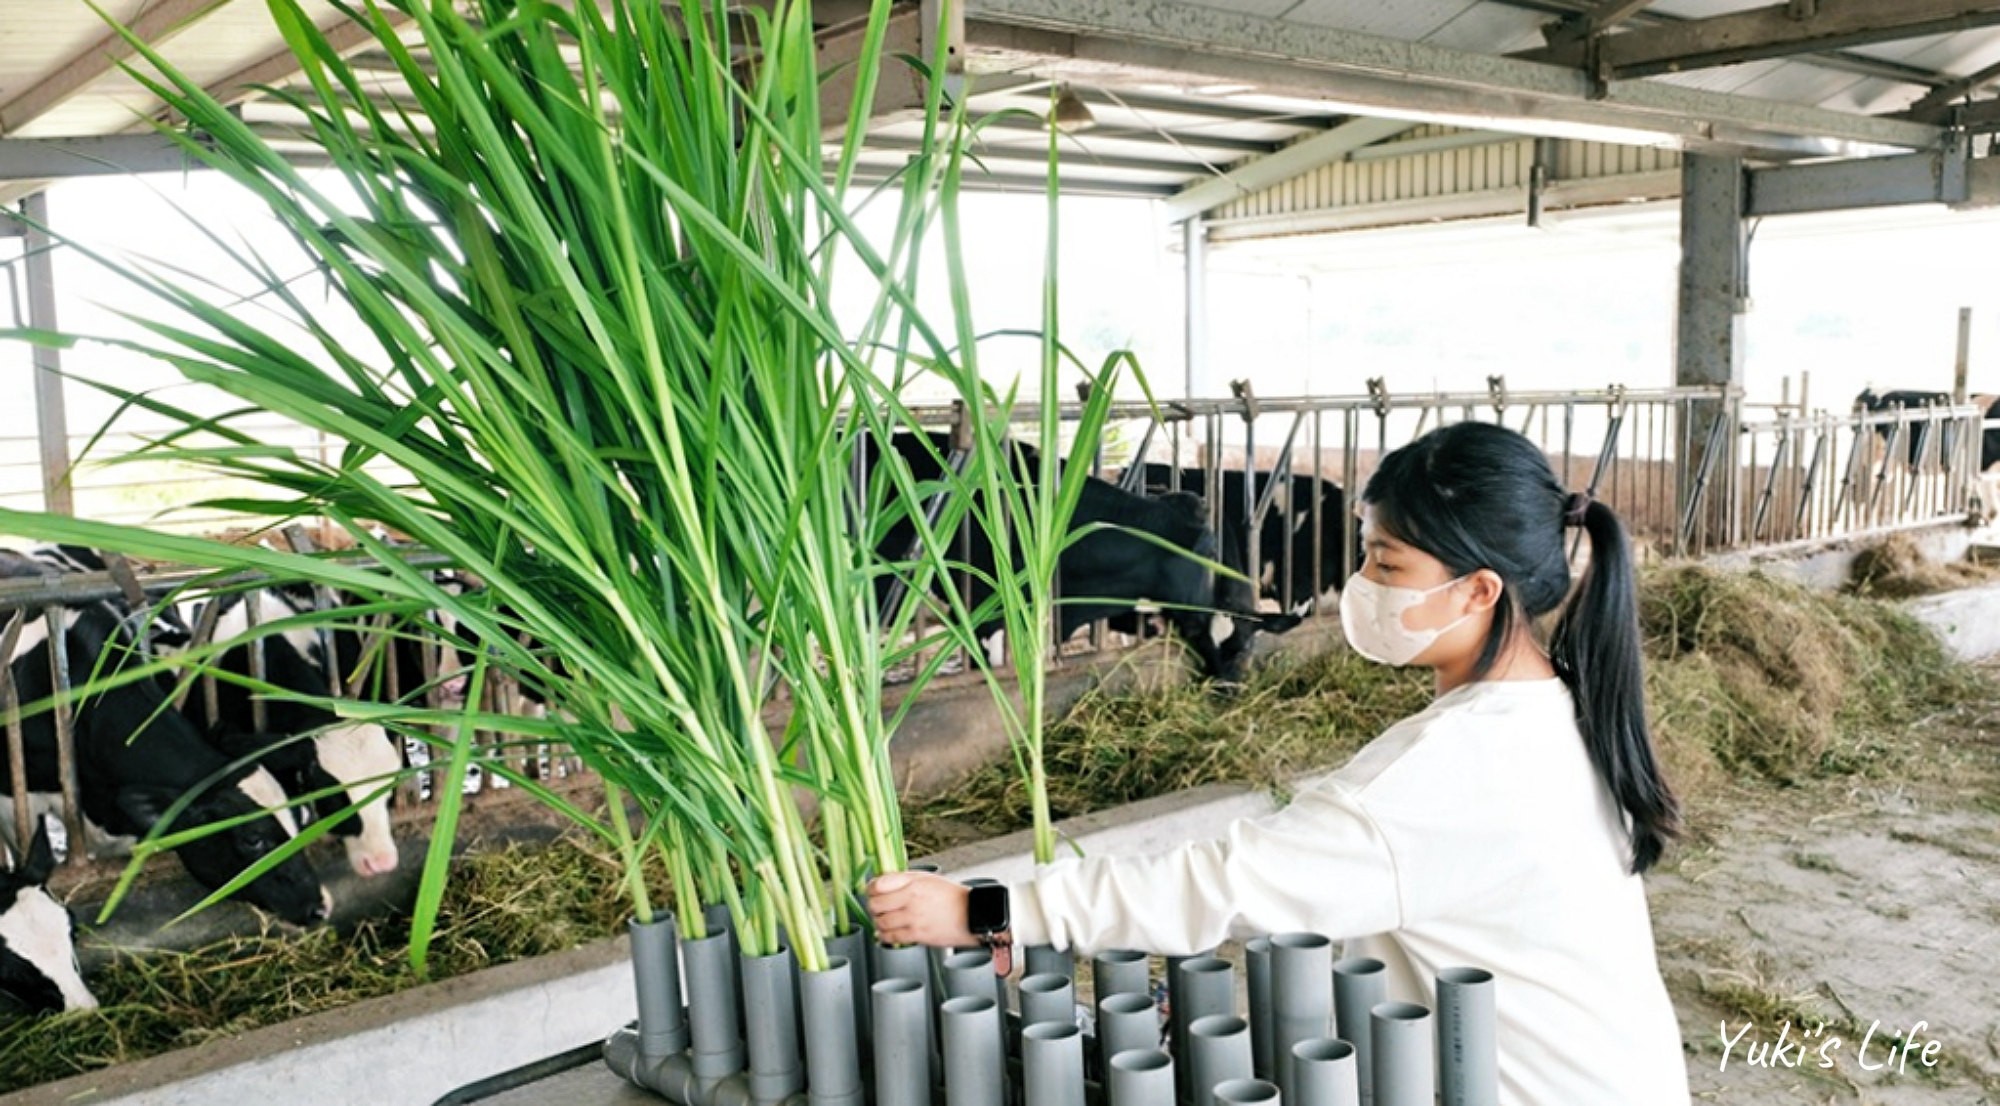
(1256, 118)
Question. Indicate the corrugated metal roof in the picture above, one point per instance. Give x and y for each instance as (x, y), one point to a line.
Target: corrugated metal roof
(1147, 125)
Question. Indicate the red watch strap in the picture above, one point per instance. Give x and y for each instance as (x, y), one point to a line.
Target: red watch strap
(1001, 945)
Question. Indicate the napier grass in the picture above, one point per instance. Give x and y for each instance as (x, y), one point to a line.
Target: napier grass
(1752, 682)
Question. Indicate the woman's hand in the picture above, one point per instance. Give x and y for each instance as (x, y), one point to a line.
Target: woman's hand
(917, 908)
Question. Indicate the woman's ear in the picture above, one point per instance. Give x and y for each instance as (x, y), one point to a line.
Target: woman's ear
(1484, 590)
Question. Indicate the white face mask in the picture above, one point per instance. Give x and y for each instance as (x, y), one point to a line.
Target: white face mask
(1371, 614)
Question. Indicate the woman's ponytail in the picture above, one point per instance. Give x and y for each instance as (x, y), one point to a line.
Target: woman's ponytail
(1596, 650)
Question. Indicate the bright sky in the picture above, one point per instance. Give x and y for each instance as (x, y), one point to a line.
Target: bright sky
(1851, 300)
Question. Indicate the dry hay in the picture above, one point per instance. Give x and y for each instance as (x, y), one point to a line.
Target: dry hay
(1292, 716)
(1750, 680)
(1898, 568)
(501, 905)
(1779, 684)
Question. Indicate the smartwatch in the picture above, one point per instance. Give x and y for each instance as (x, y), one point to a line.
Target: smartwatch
(987, 917)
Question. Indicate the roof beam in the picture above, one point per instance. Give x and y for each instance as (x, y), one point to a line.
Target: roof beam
(1035, 183)
(41, 159)
(1604, 16)
(1191, 140)
(346, 36)
(155, 25)
(1300, 157)
(1982, 117)
(1929, 178)
(1935, 106)
(1372, 75)
(1083, 161)
(1861, 65)
(1206, 109)
(1777, 31)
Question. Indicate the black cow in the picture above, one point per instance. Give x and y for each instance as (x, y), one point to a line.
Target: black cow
(1876, 403)
(38, 969)
(1111, 571)
(136, 756)
(1284, 536)
(355, 757)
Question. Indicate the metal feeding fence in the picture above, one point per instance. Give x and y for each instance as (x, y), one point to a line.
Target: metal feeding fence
(1683, 468)
(374, 660)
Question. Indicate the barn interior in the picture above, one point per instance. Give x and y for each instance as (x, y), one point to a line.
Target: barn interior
(1301, 137)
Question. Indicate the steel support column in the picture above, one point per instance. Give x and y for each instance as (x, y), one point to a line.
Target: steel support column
(1714, 290)
(1194, 237)
(51, 419)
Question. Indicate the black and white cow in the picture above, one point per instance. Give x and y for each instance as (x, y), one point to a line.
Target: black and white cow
(136, 756)
(1878, 402)
(304, 744)
(1285, 535)
(1112, 570)
(38, 968)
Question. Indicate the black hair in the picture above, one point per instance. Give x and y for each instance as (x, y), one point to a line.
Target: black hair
(1475, 495)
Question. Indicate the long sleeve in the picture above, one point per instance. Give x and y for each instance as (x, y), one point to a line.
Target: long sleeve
(1321, 864)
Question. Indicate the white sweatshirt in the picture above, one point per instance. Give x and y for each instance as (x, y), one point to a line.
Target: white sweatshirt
(1474, 834)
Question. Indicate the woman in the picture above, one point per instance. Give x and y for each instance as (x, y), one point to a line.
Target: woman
(1503, 827)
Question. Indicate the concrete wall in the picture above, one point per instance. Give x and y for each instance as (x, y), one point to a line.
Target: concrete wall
(398, 1050)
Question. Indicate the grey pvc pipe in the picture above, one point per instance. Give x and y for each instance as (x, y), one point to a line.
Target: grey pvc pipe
(1468, 1044)
(1045, 960)
(1359, 985)
(974, 1063)
(1301, 996)
(714, 1016)
(901, 1011)
(912, 962)
(1207, 988)
(770, 1008)
(833, 1049)
(1176, 1025)
(718, 919)
(1218, 1051)
(673, 1078)
(1048, 997)
(852, 946)
(1323, 1074)
(969, 974)
(656, 976)
(1257, 967)
(1119, 972)
(1052, 1064)
(1247, 1092)
(1140, 1077)
(1127, 1022)
(1405, 1071)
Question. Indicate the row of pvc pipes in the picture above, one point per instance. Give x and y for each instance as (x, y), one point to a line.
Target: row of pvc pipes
(894, 1026)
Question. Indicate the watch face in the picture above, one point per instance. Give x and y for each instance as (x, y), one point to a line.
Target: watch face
(986, 909)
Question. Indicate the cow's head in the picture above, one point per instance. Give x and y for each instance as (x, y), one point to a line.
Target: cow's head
(1230, 634)
(291, 890)
(360, 760)
(38, 969)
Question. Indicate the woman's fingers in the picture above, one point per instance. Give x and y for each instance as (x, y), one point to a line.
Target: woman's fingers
(918, 908)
